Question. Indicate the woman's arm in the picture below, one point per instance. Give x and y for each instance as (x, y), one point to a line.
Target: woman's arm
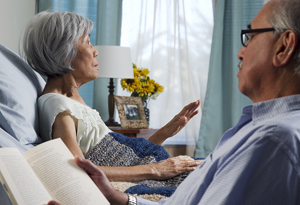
(165, 169)
(64, 127)
(176, 124)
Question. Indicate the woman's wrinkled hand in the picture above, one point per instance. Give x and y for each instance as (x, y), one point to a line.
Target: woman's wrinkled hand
(172, 167)
(182, 118)
(176, 124)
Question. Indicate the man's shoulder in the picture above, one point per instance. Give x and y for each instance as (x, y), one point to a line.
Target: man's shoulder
(283, 135)
(285, 124)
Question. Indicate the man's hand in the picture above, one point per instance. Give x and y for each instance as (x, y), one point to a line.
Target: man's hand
(101, 181)
(52, 202)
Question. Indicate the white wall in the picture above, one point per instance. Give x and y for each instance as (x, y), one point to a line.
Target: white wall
(14, 15)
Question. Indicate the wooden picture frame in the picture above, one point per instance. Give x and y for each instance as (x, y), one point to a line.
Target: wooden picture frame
(131, 112)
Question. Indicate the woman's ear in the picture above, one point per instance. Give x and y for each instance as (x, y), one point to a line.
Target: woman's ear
(285, 47)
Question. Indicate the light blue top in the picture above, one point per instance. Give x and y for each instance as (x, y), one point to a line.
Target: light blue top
(255, 162)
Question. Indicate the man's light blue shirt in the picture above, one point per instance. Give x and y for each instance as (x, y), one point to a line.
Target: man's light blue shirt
(255, 162)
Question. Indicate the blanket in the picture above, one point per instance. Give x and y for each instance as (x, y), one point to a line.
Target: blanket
(116, 149)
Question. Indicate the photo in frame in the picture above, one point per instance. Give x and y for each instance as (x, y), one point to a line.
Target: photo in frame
(131, 112)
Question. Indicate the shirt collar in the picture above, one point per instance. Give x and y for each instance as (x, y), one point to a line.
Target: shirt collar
(270, 108)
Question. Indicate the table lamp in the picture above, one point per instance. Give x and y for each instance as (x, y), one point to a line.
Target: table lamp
(114, 62)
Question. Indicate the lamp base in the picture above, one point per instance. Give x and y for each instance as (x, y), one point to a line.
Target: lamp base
(112, 123)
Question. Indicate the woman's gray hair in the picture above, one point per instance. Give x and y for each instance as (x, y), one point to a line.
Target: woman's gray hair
(285, 15)
(49, 41)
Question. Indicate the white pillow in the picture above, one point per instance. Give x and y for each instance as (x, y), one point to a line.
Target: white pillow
(20, 87)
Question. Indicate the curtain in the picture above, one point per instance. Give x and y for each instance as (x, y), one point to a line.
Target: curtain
(108, 33)
(223, 101)
(172, 38)
(106, 16)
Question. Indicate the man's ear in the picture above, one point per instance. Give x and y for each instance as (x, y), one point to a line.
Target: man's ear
(285, 47)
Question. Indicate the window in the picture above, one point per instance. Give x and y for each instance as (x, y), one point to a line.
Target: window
(172, 38)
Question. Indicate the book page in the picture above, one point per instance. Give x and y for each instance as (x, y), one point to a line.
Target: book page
(67, 183)
(19, 179)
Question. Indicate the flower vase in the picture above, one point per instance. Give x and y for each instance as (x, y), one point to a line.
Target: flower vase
(147, 111)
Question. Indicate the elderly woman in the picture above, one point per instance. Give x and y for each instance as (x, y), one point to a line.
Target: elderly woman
(57, 45)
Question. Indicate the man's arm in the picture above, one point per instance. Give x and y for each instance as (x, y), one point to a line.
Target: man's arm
(102, 182)
(261, 173)
(97, 175)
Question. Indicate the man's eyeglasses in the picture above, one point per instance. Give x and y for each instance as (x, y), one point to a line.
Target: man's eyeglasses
(245, 34)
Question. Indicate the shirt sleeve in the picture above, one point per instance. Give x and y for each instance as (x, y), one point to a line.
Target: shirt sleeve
(264, 172)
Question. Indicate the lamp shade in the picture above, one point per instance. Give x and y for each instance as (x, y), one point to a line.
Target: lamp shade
(114, 62)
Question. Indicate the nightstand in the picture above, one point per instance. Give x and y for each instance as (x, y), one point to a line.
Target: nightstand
(143, 133)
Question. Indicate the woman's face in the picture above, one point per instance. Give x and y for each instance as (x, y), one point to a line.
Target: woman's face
(85, 64)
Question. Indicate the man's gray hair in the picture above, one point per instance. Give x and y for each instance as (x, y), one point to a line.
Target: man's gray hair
(286, 15)
(49, 41)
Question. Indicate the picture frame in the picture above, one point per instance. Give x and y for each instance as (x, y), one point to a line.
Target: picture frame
(131, 112)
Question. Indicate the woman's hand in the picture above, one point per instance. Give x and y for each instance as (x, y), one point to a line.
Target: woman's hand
(176, 124)
(172, 167)
(182, 118)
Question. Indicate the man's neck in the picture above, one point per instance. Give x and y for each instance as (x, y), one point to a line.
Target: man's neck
(286, 84)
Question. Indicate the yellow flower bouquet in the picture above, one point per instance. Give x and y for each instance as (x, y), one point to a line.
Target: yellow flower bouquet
(142, 86)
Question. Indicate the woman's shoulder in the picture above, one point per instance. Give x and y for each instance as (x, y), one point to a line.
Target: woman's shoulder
(50, 98)
(55, 101)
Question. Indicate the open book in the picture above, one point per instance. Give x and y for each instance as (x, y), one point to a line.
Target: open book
(47, 171)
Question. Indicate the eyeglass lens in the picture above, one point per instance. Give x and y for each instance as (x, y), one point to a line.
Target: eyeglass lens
(245, 38)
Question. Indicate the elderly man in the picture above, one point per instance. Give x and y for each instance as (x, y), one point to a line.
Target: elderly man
(257, 161)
